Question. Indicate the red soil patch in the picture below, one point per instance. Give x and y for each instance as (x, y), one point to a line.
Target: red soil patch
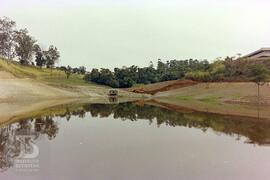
(162, 86)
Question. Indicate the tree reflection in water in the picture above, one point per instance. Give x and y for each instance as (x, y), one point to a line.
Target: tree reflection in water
(257, 132)
(13, 146)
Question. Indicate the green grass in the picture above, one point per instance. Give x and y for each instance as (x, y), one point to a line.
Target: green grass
(209, 99)
(51, 76)
(183, 98)
(212, 99)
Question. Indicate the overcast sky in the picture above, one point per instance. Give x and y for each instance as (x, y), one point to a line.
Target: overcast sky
(109, 33)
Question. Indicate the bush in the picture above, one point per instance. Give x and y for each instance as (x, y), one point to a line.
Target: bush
(87, 77)
(199, 76)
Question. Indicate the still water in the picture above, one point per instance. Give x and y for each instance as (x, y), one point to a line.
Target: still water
(135, 142)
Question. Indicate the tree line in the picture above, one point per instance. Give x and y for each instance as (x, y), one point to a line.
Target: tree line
(19, 44)
(227, 69)
(128, 76)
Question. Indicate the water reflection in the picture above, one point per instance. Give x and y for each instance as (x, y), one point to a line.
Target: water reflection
(16, 140)
(12, 147)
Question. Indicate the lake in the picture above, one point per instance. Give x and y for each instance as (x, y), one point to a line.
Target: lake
(134, 141)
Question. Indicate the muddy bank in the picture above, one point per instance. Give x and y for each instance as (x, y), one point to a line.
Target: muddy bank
(261, 112)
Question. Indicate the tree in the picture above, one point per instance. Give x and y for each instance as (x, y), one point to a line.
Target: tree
(259, 74)
(79, 70)
(87, 77)
(95, 75)
(52, 56)
(24, 46)
(126, 76)
(68, 71)
(7, 31)
(39, 56)
(76, 70)
(147, 75)
(104, 76)
(217, 70)
(203, 76)
(108, 78)
(82, 70)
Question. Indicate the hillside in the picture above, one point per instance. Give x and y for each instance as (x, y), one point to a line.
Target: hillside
(53, 76)
(228, 98)
(212, 92)
(29, 82)
(226, 92)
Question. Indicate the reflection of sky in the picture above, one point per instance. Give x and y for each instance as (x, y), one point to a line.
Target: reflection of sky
(123, 32)
(107, 148)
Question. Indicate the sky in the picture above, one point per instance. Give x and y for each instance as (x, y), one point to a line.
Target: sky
(116, 33)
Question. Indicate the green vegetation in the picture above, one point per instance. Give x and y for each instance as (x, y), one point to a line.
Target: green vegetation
(227, 70)
(128, 76)
(20, 44)
(255, 131)
(46, 124)
(259, 74)
(211, 99)
(183, 98)
(51, 76)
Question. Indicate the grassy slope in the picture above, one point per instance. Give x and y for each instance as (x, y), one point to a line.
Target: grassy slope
(56, 78)
(47, 79)
(46, 75)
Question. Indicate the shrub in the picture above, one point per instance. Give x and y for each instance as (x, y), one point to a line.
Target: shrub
(199, 76)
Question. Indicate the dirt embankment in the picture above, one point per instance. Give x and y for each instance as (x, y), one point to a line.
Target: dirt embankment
(162, 86)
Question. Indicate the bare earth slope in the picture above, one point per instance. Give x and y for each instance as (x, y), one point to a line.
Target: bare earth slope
(162, 86)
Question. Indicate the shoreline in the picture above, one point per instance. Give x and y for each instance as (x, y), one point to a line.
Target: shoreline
(14, 111)
(242, 110)
(19, 97)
